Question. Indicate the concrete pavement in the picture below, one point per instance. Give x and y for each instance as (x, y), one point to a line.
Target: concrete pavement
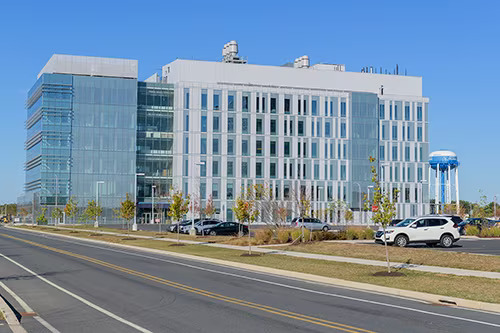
(156, 293)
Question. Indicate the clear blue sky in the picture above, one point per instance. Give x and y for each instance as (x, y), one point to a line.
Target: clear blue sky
(453, 45)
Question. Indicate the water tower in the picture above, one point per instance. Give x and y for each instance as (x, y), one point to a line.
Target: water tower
(444, 162)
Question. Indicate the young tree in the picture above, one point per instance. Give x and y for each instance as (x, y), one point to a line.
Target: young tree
(127, 210)
(348, 215)
(41, 219)
(93, 211)
(245, 210)
(24, 213)
(178, 208)
(57, 213)
(209, 210)
(71, 208)
(384, 207)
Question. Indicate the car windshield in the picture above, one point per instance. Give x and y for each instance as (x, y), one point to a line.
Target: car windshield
(404, 223)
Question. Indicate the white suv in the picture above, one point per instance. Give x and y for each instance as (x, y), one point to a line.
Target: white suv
(431, 230)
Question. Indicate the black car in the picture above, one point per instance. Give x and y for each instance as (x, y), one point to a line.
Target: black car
(226, 228)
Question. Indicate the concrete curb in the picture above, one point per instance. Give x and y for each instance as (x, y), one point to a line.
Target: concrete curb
(11, 319)
(431, 298)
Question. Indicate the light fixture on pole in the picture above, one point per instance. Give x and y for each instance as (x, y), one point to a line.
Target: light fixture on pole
(134, 226)
(96, 223)
(192, 231)
(153, 204)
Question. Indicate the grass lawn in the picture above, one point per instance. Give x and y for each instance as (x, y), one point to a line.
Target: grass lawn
(481, 289)
(397, 254)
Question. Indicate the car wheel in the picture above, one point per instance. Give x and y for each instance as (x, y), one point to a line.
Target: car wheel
(213, 233)
(446, 241)
(325, 228)
(401, 240)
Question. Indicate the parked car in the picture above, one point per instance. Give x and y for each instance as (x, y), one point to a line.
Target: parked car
(173, 227)
(432, 230)
(200, 225)
(225, 228)
(475, 221)
(310, 223)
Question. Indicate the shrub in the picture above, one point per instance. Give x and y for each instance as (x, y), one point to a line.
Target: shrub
(471, 230)
(490, 232)
(353, 233)
(307, 235)
(297, 233)
(283, 236)
(369, 233)
(263, 236)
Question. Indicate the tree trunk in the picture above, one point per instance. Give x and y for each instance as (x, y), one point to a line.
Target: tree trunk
(178, 230)
(249, 242)
(386, 252)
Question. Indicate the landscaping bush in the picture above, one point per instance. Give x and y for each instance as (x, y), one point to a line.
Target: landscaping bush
(263, 236)
(471, 230)
(490, 232)
(369, 233)
(354, 233)
(283, 236)
(307, 235)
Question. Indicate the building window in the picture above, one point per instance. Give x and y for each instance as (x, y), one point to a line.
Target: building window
(258, 169)
(394, 132)
(244, 125)
(215, 168)
(396, 115)
(291, 127)
(305, 106)
(318, 128)
(312, 128)
(419, 113)
(203, 169)
(230, 147)
(273, 148)
(186, 123)
(215, 191)
(263, 104)
(215, 146)
(395, 153)
(407, 153)
(229, 191)
(301, 128)
(258, 126)
(326, 108)
(298, 106)
(204, 124)
(314, 150)
(304, 149)
(390, 112)
(230, 102)
(244, 147)
(203, 146)
(258, 147)
(186, 145)
(287, 149)
(257, 104)
(419, 133)
(407, 112)
(244, 103)
(230, 168)
(203, 191)
(328, 129)
(314, 107)
(382, 153)
(343, 110)
(230, 124)
(204, 100)
(343, 172)
(216, 101)
(273, 104)
(244, 169)
(287, 105)
(285, 127)
(273, 126)
(419, 174)
(316, 171)
(215, 123)
(272, 170)
(186, 98)
(381, 108)
(343, 130)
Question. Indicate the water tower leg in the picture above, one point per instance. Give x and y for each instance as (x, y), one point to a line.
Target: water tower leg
(457, 192)
(437, 185)
(449, 184)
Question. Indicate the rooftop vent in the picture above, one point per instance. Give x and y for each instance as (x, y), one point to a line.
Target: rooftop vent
(302, 62)
(230, 53)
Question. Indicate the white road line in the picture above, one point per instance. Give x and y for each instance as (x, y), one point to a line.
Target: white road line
(288, 286)
(81, 299)
(42, 321)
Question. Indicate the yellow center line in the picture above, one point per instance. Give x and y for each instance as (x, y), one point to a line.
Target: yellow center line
(261, 307)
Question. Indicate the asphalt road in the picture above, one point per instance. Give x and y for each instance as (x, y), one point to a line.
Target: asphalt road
(84, 287)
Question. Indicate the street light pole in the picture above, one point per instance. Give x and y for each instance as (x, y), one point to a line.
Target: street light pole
(134, 226)
(153, 204)
(57, 189)
(192, 231)
(96, 223)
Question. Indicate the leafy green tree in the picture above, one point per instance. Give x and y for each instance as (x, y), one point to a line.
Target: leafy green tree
(41, 219)
(127, 210)
(57, 213)
(93, 211)
(178, 208)
(245, 209)
(385, 208)
(71, 208)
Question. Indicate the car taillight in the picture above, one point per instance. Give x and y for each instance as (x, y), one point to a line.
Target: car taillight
(455, 225)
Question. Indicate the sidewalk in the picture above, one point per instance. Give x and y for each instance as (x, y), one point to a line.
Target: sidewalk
(422, 268)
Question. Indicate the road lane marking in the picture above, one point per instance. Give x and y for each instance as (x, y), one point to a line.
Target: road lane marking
(405, 308)
(261, 307)
(81, 299)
